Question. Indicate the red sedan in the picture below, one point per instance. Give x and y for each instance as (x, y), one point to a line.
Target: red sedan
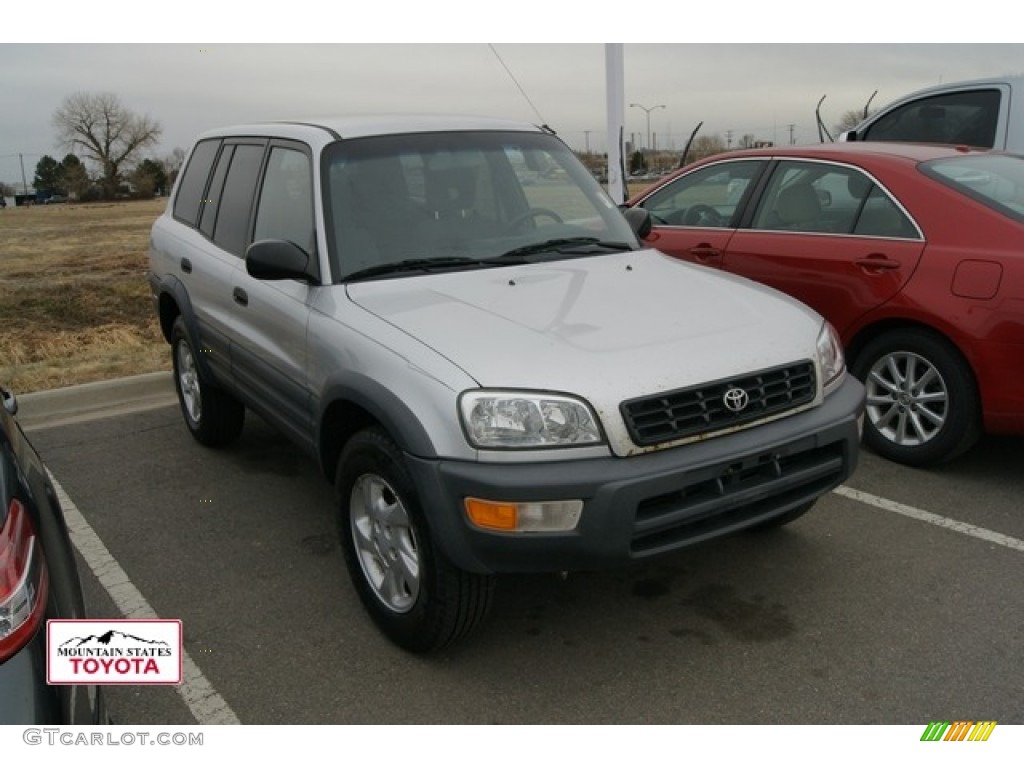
(915, 254)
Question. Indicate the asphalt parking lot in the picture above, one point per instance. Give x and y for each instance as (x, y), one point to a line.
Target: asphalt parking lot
(896, 600)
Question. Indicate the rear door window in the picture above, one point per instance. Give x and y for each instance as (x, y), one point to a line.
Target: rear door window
(829, 199)
(231, 232)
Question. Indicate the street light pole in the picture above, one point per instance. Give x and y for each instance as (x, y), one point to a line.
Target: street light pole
(648, 110)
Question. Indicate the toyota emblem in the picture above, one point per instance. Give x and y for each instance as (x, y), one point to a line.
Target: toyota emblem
(736, 399)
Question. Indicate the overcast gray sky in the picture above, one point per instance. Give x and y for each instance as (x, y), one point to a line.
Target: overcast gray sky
(746, 88)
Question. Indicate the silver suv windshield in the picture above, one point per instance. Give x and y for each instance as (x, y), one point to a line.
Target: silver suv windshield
(419, 202)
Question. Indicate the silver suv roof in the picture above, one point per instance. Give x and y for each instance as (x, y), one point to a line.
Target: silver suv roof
(354, 126)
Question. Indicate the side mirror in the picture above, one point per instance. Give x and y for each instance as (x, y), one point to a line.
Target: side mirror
(10, 402)
(639, 220)
(850, 135)
(278, 260)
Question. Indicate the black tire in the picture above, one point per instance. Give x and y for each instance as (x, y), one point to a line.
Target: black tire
(214, 417)
(417, 598)
(922, 406)
(785, 518)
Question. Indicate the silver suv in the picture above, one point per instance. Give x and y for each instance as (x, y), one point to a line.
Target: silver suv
(456, 321)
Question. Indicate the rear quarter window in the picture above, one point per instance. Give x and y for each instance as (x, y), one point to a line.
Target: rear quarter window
(193, 183)
(994, 180)
(231, 231)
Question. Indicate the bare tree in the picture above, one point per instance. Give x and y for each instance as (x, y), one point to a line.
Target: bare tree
(173, 163)
(851, 118)
(105, 132)
(704, 146)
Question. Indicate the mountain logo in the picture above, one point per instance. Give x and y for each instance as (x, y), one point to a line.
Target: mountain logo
(114, 652)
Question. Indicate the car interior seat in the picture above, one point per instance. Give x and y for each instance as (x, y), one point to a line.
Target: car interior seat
(798, 208)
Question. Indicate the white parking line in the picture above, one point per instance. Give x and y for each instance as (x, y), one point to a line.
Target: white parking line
(928, 517)
(203, 701)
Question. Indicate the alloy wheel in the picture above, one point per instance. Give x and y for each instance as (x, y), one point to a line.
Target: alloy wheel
(188, 383)
(907, 398)
(385, 543)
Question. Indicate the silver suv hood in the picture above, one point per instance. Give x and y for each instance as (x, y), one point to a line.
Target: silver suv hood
(605, 328)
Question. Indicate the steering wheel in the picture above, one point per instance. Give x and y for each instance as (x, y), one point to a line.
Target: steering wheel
(533, 213)
(701, 215)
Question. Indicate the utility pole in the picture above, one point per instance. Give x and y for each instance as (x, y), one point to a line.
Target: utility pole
(791, 127)
(728, 139)
(586, 138)
(648, 110)
(24, 184)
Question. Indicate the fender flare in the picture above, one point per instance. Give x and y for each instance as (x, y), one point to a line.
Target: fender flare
(384, 406)
(170, 285)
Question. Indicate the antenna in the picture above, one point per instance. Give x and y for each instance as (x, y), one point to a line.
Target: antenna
(536, 111)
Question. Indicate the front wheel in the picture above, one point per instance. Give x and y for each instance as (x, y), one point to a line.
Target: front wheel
(922, 404)
(417, 598)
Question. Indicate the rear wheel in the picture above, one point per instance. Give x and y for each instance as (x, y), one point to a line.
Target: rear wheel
(922, 403)
(213, 417)
(420, 600)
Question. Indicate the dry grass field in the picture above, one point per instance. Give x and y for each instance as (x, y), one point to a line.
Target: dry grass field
(74, 302)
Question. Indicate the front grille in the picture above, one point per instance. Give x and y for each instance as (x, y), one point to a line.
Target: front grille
(702, 409)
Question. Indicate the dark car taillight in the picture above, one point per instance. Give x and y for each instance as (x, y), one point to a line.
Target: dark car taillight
(23, 581)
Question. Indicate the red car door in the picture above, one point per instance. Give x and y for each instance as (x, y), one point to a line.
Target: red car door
(829, 236)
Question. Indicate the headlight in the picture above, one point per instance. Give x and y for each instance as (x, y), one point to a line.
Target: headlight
(495, 419)
(830, 355)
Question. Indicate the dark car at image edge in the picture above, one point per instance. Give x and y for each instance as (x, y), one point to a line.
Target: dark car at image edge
(39, 581)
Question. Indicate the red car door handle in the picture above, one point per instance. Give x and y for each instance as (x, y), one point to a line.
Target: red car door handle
(704, 253)
(877, 263)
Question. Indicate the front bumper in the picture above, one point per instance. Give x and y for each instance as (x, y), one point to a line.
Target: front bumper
(648, 504)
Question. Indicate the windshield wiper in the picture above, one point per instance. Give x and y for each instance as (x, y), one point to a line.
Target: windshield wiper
(576, 246)
(581, 246)
(417, 265)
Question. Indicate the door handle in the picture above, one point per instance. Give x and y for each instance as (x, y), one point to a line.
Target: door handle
(705, 253)
(241, 297)
(186, 266)
(877, 263)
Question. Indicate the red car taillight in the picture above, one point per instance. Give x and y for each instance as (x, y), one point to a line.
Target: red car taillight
(23, 581)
